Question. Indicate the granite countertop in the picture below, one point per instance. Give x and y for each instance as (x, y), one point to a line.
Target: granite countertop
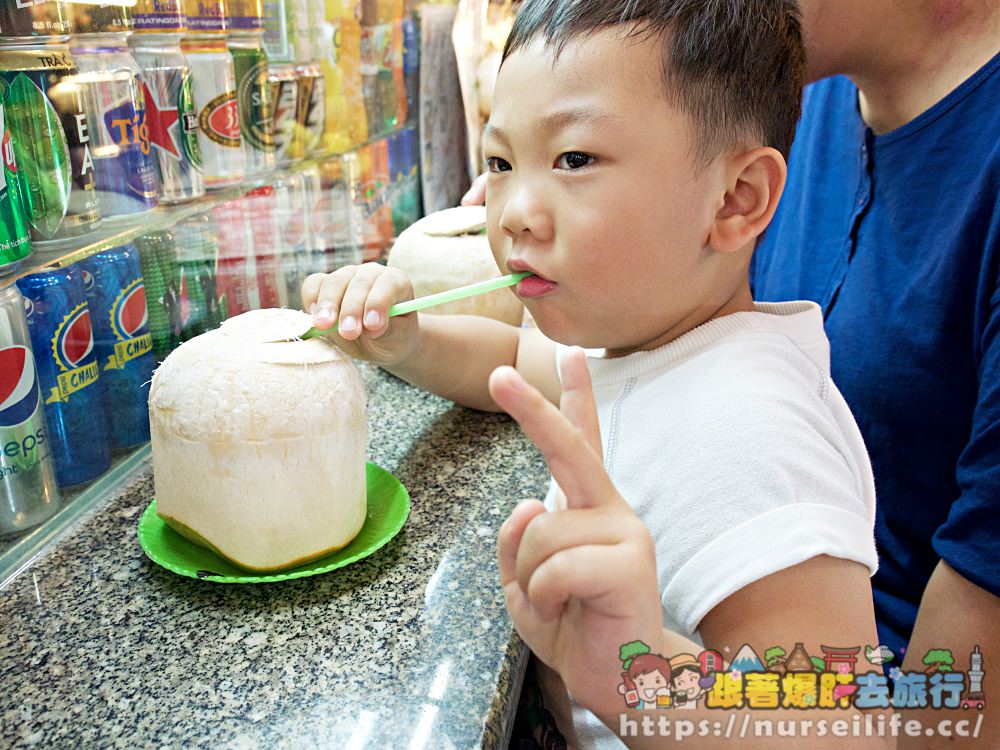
(410, 647)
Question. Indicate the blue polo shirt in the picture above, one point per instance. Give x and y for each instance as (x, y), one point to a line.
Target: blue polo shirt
(897, 237)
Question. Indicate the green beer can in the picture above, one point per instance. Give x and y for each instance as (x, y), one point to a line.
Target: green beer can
(44, 112)
(15, 241)
(253, 100)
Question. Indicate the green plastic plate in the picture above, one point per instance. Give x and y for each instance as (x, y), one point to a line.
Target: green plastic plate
(388, 507)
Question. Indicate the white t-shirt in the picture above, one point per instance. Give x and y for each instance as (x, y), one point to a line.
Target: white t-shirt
(742, 458)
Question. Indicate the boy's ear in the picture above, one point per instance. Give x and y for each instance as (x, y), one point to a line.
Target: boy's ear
(754, 181)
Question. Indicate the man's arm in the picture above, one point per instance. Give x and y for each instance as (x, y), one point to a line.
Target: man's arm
(957, 615)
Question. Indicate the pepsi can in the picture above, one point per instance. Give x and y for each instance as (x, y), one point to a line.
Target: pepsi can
(28, 490)
(61, 336)
(116, 296)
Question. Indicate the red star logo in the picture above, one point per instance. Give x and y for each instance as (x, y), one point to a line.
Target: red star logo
(160, 121)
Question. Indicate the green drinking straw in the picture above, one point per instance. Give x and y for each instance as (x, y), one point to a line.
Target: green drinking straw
(402, 308)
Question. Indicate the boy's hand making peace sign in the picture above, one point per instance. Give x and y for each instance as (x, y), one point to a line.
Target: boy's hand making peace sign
(578, 582)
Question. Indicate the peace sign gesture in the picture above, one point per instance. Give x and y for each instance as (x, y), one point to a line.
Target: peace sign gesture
(578, 582)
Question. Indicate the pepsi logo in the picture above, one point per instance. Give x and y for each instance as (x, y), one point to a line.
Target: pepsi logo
(130, 312)
(18, 386)
(88, 280)
(76, 339)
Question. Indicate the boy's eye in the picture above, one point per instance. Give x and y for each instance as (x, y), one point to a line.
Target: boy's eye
(496, 164)
(574, 160)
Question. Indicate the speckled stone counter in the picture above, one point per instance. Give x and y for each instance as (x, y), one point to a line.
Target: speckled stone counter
(408, 648)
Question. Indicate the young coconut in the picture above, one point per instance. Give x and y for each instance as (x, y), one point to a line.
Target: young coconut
(259, 442)
(449, 249)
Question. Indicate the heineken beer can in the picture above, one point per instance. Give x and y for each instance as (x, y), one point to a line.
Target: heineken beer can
(214, 86)
(43, 103)
(171, 116)
(15, 237)
(31, 20)
(28, 490)
(111, 86)
(253, 102)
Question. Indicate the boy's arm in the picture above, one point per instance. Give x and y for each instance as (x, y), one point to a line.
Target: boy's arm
(448, 355)
(455, 355)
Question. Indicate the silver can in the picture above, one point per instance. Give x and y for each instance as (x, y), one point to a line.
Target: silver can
(170, 115)
(28, 490)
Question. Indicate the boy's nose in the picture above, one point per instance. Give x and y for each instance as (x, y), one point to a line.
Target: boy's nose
(527, 212)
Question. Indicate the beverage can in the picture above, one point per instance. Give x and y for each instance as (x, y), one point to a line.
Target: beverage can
(51, 136)
(310, 111)
(411, 65)
(110, 84)
(283, 85)
(15, 240)
(405, 175)
(32, 21)
(158, 262)
(235, 271)
(276, 42)
(98, 18)
(336, 216)
(159, 17)
(206, 17)
(266, 264)
(28, 490)
(253, 100)
(62, 339)
(116, 296)
(171, 116)
(197, 252)
(219, 136)
(245, 16)
(292, 211)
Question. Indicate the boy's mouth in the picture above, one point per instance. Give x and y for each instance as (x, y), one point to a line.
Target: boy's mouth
(533, 287)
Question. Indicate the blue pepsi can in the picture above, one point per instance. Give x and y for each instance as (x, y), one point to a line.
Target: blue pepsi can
(116, 296)
(61, 336)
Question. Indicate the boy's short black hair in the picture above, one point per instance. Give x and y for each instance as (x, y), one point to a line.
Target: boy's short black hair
(736, 67)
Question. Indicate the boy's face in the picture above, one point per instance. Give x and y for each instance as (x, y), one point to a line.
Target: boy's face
(594, 186)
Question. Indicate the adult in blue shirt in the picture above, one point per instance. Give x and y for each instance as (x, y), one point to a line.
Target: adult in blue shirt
(891, 222)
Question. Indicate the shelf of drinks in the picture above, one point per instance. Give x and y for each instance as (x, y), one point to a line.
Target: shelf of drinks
(339, 170)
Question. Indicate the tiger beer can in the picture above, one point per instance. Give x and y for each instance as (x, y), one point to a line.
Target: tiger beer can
(28, 490)
(113, 93)
(171, 115)
(116, 296)
(220, 140)
(62, 339)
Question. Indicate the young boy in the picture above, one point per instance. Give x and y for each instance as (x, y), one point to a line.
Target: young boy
(718, 421)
